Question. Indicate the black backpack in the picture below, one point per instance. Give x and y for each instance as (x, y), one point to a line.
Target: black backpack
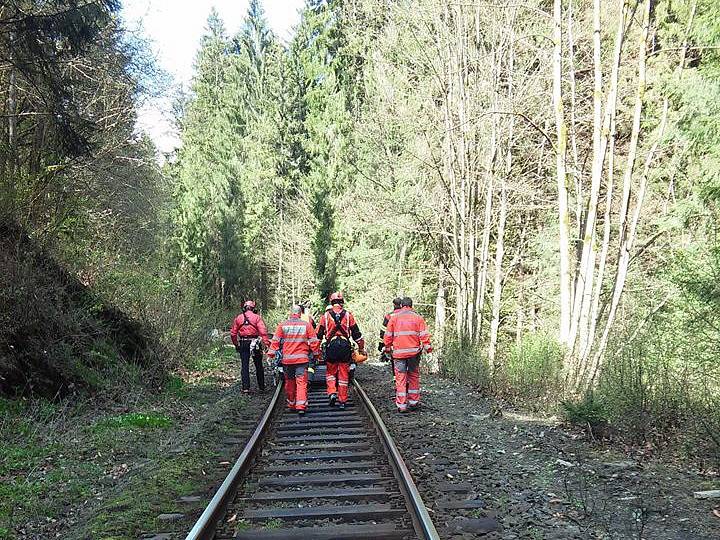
(338, 350)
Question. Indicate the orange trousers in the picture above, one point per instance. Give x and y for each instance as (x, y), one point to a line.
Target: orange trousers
(407, 382)
(296, 379)
(337, 379)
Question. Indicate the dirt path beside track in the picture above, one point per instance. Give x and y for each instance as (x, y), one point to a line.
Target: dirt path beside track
(519, 476)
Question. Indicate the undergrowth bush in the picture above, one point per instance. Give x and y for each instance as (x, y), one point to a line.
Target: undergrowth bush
(662, 388)
(590, 412)
(466, 361)
(533, 371)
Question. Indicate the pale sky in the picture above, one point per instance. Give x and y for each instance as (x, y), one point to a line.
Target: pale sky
(174, 28)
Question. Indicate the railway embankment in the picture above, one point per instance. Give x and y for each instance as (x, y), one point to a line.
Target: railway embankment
(536, 477)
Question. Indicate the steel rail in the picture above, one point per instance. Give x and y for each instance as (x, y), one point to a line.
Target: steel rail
(206, 525)
(419, 514)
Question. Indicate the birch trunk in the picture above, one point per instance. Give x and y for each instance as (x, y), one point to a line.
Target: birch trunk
(629, 230)
(502, 219)
(440, 316)
(497, 285)
(11, 154)
(586, 268)
(561, 175)
(626, 248)
(487, 216)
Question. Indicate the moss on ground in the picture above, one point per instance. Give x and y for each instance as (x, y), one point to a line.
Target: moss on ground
(106, 467)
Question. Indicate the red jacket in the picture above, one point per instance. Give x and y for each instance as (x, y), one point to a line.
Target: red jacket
(297, 339)
(248, 325)
(348, 326)
(407, 334)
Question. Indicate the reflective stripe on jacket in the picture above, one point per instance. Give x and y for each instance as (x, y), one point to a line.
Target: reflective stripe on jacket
(407, 334)
(248, 325)
(298, 341)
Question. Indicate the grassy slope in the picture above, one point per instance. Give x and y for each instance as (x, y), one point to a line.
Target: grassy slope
(105, 467)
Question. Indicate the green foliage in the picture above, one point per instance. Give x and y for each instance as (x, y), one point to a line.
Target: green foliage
(175, 385)
(134, 420)
(589, 411)
(465, 360)
(207, 362)
(534, 369)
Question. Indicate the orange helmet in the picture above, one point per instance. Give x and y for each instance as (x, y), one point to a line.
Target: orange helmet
(337, 298)
(249, 304)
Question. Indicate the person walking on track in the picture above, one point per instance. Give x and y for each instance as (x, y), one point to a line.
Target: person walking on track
(338, 327)
(406, 338)
(249, 335)
(296, 347)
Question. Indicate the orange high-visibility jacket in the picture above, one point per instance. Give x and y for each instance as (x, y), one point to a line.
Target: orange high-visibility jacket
(348, 327)
(407, 334)
(297, 339)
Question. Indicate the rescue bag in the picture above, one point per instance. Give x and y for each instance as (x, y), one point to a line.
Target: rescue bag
(358, 357)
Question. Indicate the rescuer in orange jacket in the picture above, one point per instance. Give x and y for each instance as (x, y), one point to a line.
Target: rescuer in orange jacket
(338, 326)
(249, 333)
(407, 338)
(296, 347)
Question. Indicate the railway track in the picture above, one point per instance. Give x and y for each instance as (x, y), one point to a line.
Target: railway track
(331, 475)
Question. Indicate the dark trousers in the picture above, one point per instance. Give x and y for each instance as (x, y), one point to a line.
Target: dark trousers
(245, 365)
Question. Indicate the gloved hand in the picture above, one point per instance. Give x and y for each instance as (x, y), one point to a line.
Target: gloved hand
(311, 370)
(352, 366)
(429, 349)
(381, 346)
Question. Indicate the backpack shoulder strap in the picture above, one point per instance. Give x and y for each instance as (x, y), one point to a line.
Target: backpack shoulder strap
(247, 322)
(337, 319)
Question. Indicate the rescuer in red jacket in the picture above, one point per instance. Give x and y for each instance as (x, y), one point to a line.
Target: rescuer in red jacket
(294, 345)
(338, 326)
(249, 334)
(407, 338)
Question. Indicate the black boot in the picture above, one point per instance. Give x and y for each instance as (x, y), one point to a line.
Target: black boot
(333, 399)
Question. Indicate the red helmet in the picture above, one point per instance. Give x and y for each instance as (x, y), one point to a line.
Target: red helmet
(249, 304)
(336, 298)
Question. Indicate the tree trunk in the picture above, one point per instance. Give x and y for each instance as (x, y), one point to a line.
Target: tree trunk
(498, 281)
(440, 316)
(561, 176)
